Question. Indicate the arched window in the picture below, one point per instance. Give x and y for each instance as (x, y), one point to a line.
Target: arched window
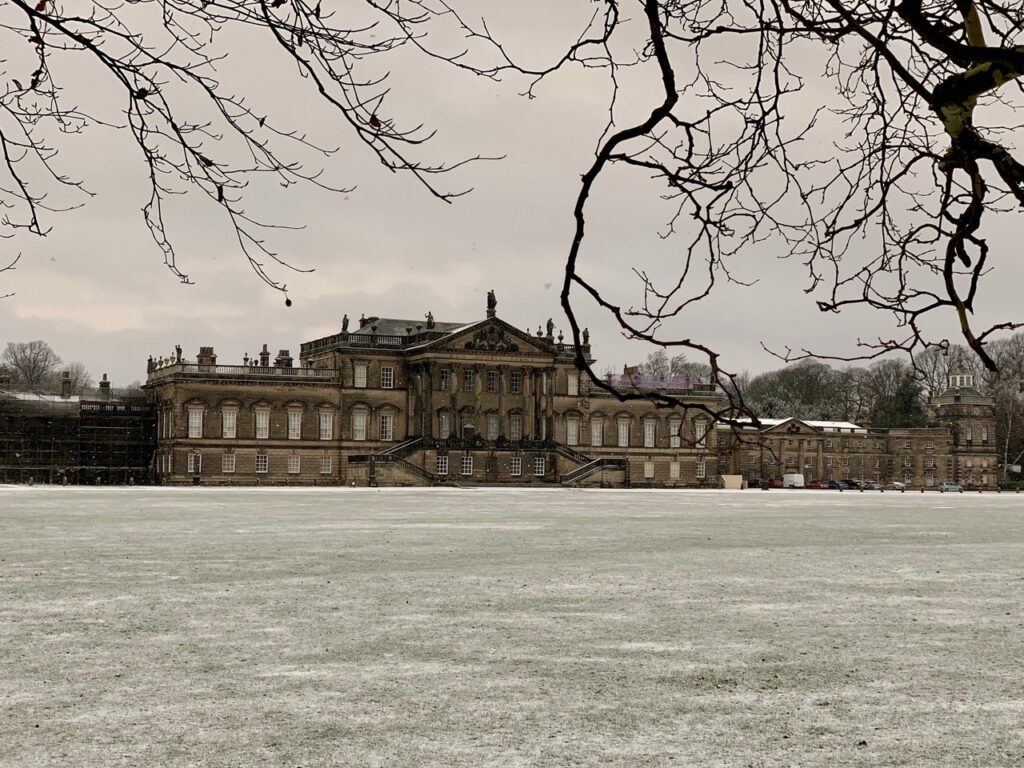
(623, 425)
(572, 430)
(359, 424)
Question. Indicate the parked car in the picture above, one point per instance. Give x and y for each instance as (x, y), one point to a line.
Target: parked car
(894, 486)
(849, 485)
(814, 485)
(951, 488)
(871, 486)
(833, 485)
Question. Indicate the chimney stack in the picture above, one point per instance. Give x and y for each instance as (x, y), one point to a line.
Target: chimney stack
(65, 384)
(206, 357)
(283, 359)
(104, 388)
(264, 357)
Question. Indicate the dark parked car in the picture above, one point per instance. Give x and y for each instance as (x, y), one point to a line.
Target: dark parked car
(833, 485)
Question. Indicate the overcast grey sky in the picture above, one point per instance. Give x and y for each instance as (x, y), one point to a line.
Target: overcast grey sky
(97, 290)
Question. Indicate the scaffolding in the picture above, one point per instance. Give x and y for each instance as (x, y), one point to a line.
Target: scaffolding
(51, 439)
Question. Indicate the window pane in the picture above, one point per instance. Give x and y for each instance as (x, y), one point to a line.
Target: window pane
(261, 463)
(468, 380)
(293, 464)
(573, 384)
(359, 425)
(195, 422)
(467, 465)
(360, 376)
(229, 423)
(515, 427)
(597, 432)
(326, 425)
(325, 465)
(386, 421)
(444, 423)
(572, 431)
(445, 380)
(623, 433)
(387, 377)
(492, 381)
(674, 438)
(538, 466)
(515, 381)
(294, 425)
(263, 424)
(492, 426)
(442, 465)
(516, 466)
(648, 470)
(701, 469)
(227, 463)
(649, 427)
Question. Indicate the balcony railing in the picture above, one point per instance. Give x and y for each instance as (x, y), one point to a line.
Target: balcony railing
(247, 371)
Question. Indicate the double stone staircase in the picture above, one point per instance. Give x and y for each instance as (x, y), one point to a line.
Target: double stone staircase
(396, 454)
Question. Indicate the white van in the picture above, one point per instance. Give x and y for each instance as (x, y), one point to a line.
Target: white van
(793, 480)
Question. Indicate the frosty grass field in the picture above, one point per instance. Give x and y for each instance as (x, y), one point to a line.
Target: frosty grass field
(195, 627)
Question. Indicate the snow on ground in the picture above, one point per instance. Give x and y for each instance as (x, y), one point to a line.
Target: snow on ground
(361, 627)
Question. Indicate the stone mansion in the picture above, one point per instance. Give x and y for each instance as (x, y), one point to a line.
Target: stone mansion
(421, 402)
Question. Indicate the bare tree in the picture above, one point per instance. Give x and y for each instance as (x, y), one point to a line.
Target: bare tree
(30, 362)
(893, 216)
(81, 380)
(192, 133)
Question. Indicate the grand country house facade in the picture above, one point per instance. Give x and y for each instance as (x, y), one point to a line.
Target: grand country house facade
(419, 402)
(402, 402)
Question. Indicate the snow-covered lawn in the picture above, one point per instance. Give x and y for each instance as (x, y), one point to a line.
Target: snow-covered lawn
(247, 628)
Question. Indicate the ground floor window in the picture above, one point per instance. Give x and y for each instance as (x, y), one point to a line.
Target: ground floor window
(648, 470)
(325, 464)
(538, 466)
(702, 471)
(516, 466)
(227, 463)
(467, 465)
(195, 463)
(673, 470)
(261, 463)
(293, 464)
(442, 465)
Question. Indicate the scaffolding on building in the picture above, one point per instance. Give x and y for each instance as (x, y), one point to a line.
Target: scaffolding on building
(76, 440)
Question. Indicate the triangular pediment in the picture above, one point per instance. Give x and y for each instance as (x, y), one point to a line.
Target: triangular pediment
(792, 427)
(491, 336)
